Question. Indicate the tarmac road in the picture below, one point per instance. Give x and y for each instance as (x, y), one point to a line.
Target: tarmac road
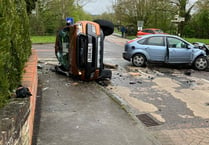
(71, 112)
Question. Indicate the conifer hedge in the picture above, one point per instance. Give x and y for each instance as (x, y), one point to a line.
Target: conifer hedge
(15, 45)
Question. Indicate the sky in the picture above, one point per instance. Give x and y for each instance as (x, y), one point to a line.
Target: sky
(96, 7)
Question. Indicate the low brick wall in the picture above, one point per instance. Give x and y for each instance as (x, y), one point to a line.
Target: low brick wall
(14, 125)
(17, 117)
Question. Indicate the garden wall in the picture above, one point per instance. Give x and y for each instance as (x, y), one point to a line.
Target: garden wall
(17, 117)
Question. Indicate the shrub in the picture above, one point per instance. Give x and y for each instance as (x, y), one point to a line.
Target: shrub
(15, 45)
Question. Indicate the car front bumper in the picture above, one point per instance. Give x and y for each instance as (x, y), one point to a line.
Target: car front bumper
(126, 56)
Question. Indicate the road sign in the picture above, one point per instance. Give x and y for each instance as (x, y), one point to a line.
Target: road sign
(140, 25)
(70, 20)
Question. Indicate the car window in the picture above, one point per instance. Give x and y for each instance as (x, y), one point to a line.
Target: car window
(64, 39)
(158, 41)
(141, 41)
(159, 31)
(150, 31)
(176, 43)
(145, 31)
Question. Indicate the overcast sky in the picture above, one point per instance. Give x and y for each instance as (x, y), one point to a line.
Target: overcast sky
(100, 6)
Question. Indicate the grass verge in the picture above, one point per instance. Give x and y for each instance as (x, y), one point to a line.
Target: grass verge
(43, 39)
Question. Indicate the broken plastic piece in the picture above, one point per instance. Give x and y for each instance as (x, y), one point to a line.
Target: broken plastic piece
(23, 92)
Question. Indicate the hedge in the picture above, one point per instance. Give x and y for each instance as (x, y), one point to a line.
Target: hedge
(15, 45)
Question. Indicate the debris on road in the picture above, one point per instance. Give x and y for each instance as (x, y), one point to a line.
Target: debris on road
(113, 66)
(23, 92)
(46, 88)
(39, 66)
(134, 73)
(59, 70)
(132, 82)
(188, 73)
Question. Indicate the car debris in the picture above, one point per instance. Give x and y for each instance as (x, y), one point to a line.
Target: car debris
(113, 66)
(188, 72)
(39, 66)
(23, 92)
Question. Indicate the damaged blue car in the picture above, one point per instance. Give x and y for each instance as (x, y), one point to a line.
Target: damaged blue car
(164, 48)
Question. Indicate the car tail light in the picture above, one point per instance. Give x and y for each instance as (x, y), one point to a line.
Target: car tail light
(133, 40)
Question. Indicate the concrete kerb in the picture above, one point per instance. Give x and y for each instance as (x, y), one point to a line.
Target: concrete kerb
(126, 107)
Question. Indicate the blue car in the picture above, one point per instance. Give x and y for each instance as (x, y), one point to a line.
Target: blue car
(164, 48)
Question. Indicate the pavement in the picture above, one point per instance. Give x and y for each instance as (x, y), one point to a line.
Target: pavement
(72, 112)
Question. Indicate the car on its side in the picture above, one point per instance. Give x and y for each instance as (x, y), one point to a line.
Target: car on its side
(164, 48)
(79, 49)
(149, 31)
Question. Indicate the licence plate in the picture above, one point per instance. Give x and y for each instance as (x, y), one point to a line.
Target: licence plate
(90, 50)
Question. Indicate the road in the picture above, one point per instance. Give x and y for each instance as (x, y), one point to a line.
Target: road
(170, 102)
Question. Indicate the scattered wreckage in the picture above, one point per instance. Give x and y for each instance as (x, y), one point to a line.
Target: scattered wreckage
(79, 49)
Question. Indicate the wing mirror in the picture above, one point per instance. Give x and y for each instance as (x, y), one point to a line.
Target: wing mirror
(189, 46)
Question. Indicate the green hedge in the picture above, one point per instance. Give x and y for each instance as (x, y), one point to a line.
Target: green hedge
(15, 45)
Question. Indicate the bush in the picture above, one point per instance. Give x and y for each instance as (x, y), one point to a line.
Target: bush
(15, 45)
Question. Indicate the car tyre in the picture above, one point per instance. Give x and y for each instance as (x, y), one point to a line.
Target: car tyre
(106, 26)
(139, 60)
(201, 63)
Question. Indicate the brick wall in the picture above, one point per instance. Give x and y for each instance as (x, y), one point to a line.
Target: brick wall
(17, 117)
(14, 123)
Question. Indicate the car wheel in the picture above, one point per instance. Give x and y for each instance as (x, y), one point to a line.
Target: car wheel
(106, 26)
(201, 63)
(139, 60)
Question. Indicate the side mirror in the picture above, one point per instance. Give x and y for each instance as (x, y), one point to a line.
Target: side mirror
(189, 46)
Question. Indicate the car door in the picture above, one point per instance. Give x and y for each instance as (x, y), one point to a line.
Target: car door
(178, 51)
(155, 47)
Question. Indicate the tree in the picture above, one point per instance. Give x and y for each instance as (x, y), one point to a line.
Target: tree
(200, 20)
(30, 5)
(154, 13)
(51, 14)
(182, 11)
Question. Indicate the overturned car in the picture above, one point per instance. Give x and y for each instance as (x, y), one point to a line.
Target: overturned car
(79, 49)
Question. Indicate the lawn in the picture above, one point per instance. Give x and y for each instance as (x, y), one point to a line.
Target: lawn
(206, 41)
(43, 39)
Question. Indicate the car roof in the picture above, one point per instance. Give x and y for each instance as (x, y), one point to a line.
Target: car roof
(160, 35)
(151, 29)
(167, 35)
